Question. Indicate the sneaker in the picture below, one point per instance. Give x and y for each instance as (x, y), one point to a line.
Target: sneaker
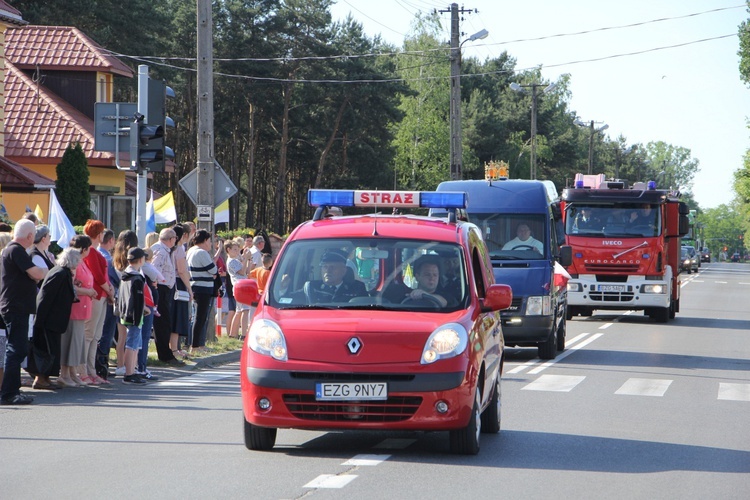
(18, 399)
(133, 379)
(120, 371)
(149, 376)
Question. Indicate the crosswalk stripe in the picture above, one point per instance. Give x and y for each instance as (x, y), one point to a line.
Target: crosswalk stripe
(644, 387)
(565, 354)
(331, 481)
(196, 379)
(734, 392)
(554, 383)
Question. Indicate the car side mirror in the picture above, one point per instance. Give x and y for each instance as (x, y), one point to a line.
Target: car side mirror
(246, 291)
(566, 255)
(497, 298)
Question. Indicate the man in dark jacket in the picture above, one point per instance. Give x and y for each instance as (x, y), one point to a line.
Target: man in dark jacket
(333, 287)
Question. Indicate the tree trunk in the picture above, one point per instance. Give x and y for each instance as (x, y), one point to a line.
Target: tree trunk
(279, 220)
(329, 145)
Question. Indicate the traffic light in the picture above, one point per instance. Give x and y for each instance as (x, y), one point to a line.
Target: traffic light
(143, 151)
(158, 91)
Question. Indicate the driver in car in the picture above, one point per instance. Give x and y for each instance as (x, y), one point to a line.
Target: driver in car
(427, 276)
(524, 240)
(333, 287)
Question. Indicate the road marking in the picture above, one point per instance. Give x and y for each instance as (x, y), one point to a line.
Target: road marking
(532, 362)
(196, 379)
(331, 481)
(565, 354)
(367, 460)
(644, 387)
(395, 444)
(734, 392)
(721, 282)
(743, 283)
(554, 383)
(605, 326)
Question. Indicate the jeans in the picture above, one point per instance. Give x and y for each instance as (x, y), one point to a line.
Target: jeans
(133, 339)
(105, 342)
(148, 323)
(163, 324)
(17, 331)
(203, 301)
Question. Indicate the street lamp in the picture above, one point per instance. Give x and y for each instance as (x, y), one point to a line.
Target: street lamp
(455, 111)
(516, 87)
(593, 130)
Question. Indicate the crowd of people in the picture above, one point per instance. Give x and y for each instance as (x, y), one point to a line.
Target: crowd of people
(61, 314)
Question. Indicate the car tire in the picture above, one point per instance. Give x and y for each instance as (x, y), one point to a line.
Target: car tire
(548, 348)
(259, 438)
(492, 414)
(466, 441)
(562, 332)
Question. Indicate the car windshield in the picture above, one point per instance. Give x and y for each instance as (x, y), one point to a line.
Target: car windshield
(513, 236)
(619, 219)
(369, 273)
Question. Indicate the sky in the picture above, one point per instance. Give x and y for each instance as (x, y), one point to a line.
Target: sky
(689, 96)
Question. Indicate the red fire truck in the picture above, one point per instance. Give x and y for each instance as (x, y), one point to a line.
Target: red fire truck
(626, 246)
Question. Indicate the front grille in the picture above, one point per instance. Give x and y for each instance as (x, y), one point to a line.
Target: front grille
(515, 306)
(611, 296)
(352, 377)
(394, 409)
(612, 268)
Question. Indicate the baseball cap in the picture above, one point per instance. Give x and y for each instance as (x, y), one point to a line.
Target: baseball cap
(331, 256)
(135, 253)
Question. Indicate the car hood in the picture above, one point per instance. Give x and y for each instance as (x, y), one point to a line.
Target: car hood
(323, 336)
(525, 280)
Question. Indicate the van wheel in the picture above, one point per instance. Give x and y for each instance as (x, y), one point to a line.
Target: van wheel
(561, 334)
(466, 441)
(491, 414)
(259, 438)
(548, 348)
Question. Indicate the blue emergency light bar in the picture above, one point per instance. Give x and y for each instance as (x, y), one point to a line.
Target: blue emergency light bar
(387, 199)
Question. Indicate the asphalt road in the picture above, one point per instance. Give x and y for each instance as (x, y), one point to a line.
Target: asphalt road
(632, 409)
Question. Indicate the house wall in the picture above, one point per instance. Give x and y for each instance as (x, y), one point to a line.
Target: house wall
(16, 203)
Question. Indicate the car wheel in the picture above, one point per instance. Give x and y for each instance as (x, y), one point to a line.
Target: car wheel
(259, 438)
(548, 348)
(466, 441)
(673, 306)
(562, 332)
(491, 415)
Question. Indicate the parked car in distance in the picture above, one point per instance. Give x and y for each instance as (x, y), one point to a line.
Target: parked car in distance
(705, 255)
(735, 257)
(686, 263)
(694, 258)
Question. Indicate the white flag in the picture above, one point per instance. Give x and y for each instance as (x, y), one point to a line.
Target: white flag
(60, 228)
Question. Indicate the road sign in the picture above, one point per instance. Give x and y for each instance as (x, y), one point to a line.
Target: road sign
(224, 188)
(205, 212)
(112, 126)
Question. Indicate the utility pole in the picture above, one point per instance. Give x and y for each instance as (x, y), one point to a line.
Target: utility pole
(456, 169)
(140, 190)
(516, 87)
(205, 117)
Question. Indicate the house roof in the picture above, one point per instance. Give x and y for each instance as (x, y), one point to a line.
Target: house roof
(16, 177)
(39, 125)
(59, 48)
(10, 14)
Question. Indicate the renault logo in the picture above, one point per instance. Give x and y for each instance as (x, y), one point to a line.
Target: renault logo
(354, 345)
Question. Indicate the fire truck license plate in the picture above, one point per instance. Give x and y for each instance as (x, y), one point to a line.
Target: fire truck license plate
(365, 391)
(611, 288)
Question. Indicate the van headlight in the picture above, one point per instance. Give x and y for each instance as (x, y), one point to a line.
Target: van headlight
(447, 341)
(654, 289)
(266, 338)
(538, 306)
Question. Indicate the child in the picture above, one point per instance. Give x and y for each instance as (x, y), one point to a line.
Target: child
(131, 306)
(237, 266)
(261, 273)
(151, 297)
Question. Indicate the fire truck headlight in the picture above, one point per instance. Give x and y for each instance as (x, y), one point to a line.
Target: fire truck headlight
(538, 306)
(654, 289)
(574, 287)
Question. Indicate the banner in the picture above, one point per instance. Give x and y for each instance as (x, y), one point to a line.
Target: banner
(60, 228)
(221, 213)
(164, 209)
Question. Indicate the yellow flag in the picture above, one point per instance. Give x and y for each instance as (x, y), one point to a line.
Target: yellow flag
(38, 212)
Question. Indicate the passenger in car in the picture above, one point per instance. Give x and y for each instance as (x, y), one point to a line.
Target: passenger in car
(332, 287)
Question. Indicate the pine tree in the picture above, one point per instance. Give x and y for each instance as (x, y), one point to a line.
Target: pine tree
(72, 185)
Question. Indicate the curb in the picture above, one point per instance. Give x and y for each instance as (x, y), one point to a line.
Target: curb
(215, 360)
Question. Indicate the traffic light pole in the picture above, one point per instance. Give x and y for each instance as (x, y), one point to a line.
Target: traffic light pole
(140, 194)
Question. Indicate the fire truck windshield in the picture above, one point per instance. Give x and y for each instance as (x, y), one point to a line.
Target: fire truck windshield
(618, 219)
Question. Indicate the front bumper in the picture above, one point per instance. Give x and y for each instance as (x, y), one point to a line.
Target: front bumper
(410, 404)
(630, 297)
(526, 330)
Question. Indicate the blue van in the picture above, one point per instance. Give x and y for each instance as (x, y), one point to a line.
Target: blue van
(521, 223)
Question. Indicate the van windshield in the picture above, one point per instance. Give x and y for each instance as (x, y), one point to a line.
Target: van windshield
(618, 219)
(513, 236)
(369, 273)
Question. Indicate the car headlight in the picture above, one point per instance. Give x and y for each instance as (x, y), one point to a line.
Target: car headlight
(654, 289)
(266, 338)
(574, 287)
(538, 306)
(447, 341)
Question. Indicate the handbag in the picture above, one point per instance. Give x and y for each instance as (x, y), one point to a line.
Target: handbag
(182, 296)
(218, 290)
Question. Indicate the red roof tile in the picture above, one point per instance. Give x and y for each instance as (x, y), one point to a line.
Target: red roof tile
(59, 47)
(16, 177)
(40, 124)
(10, 14)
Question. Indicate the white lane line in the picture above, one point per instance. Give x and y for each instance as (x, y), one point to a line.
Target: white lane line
(554, 383)
(532, 362)
(734, 392)
(197, 379)
(721, 282)
(605, 326)
(743, 283)
(330, 481)
(644, 387)
(367, 460)
(565, 354)
(394, 444)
